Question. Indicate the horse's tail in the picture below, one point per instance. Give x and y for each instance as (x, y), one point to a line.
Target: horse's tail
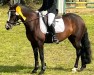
(86, 49)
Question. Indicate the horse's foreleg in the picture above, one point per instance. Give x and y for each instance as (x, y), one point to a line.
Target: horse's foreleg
(35, 50)
(43, 65)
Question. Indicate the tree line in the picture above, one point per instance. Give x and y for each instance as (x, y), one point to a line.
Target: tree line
(4, 2)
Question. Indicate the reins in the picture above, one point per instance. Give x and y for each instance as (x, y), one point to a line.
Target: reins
(20, 22)
(30, 20)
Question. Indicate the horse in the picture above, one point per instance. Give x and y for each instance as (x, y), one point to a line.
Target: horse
(75, 30)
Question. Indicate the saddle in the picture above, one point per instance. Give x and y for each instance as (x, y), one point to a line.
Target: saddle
(44, 27)
(45, 20)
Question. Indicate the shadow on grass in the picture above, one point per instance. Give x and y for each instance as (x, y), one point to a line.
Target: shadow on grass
(16, 68)
(67, 69)
(60, 69)
(27, 69)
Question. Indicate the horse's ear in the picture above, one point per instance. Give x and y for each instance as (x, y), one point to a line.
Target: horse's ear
(10, 3)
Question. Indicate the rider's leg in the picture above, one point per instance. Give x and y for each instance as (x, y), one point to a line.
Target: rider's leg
(51, 17)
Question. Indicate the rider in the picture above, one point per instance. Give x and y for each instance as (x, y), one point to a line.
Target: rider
(50, 6)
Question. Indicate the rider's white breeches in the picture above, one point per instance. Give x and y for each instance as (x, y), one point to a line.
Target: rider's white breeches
(51, 17)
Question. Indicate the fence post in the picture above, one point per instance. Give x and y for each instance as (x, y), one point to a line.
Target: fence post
(61, 6)
(16, 1)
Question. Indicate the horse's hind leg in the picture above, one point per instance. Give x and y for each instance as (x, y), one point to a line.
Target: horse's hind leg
(85, 51)
(77, 45)
(83, 66)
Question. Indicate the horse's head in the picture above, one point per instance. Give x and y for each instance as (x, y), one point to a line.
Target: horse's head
(12, 17)
(14, 14)
(24, 13)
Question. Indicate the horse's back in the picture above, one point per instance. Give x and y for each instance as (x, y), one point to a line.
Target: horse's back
(74, 17)
(78, 24)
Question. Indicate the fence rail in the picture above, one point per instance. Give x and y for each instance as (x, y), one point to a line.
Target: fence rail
(79, 5)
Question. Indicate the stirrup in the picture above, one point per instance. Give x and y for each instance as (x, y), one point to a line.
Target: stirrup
(55, 39)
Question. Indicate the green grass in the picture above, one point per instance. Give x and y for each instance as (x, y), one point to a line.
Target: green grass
(16, 55)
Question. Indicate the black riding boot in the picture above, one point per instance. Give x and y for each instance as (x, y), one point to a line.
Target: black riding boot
(54, 39)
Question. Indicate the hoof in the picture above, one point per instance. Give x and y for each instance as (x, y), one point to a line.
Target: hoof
(81, 69)
(34, 71)
(74, 70)
(41, 73)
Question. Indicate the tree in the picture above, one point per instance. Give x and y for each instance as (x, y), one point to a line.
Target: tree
(3, 2)
(16, 1)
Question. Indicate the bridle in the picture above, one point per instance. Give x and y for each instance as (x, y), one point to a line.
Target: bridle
(19, 21)
(15, 23)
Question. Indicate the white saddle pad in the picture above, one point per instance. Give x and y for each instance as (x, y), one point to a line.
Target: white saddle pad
(59, 25)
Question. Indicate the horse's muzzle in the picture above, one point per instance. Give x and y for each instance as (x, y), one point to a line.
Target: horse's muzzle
(7, 26)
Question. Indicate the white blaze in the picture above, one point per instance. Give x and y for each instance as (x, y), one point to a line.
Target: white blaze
(9, 14)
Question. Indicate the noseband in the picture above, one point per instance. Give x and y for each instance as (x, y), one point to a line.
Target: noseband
(15, 23)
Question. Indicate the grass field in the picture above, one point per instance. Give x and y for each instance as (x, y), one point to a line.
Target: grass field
(16, 55)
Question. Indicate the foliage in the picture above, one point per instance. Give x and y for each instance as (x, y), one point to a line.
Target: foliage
(3, 2)
(34, 4)
(35, 1)
(16, 55)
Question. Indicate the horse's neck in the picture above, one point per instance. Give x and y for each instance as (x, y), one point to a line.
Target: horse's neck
(32, 22)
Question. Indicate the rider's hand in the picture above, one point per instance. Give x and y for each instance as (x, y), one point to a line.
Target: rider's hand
(37, 11)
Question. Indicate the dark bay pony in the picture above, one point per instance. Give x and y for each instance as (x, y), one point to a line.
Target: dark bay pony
(75, 31)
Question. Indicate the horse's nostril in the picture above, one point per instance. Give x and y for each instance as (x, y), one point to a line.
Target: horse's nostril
(7, 26)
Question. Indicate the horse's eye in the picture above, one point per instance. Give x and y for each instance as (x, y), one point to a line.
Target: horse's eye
(13, 13)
